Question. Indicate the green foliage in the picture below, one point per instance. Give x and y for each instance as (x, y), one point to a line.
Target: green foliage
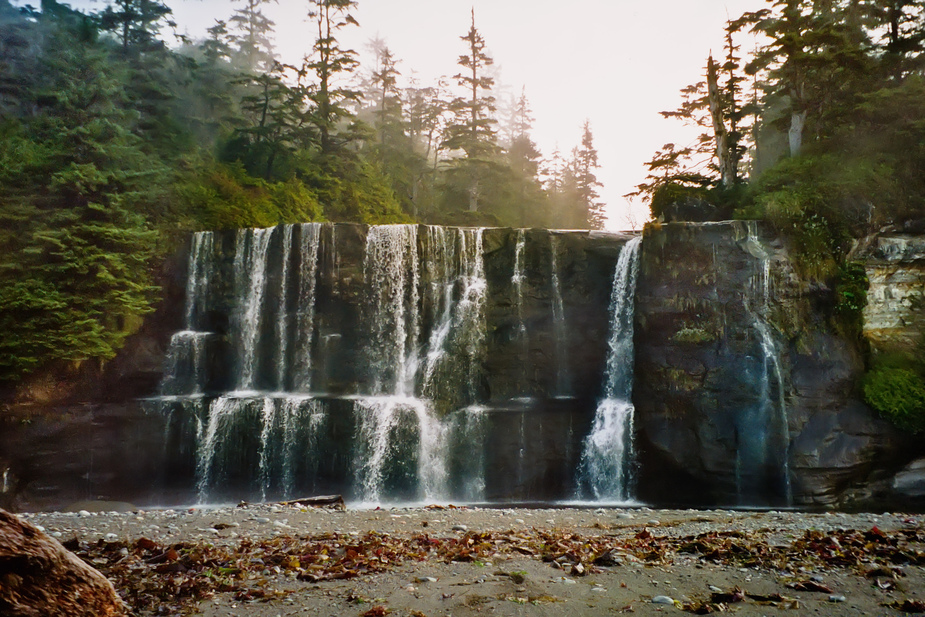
(820, 203)
(851, 287)
(368, 197)
(136, 23)
(672, 192)
(218, 196)
(75, 265)
(473, 127)
(693, 336)
(899, 395)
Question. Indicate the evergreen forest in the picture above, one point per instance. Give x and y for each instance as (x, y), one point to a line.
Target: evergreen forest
(117, 138)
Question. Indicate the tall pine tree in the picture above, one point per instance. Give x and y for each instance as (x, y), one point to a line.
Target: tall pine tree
(473, 127)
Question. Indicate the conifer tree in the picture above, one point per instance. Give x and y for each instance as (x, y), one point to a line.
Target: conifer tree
(253, 36)
(136, 23)
(813, 64)
(524, 160)
(273, 110)
(74, 271)
(331, 64)
(589, 211)
(388, 102)
(394, 148)
(473, 126)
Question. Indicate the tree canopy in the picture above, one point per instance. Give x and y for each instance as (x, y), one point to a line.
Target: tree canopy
(819, 129)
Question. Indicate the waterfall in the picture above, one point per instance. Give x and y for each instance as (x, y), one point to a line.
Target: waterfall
(441, 274)
(402, 447)
(558, 314)
(282, 316)
(250, 266)
(308, 276)
(226, 418)
(455, 345)
(221, 411)
(517, 283)
(763, 432)
(607, 456)
(402, 421)
(392, 277)
(199, 274)
(185, 370)
(471, 309)
(397, 319)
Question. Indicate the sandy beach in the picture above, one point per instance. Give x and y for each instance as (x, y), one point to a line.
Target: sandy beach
(277, 560)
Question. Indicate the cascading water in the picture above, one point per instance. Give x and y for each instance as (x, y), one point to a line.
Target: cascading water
(282, 320)
(607, 457)
(558, 314)
(231, 418)
(402, 421)
(441, 276)
(221, 412)
(308, 280)
(517, 283)
(393, 279)
(394, 325)
(763, 433)
(186, 354)
(453, 355)
(250, 264)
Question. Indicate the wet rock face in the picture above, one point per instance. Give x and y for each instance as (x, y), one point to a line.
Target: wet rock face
(40, 577)
(52, 457)
(911, 480)
(708, 397)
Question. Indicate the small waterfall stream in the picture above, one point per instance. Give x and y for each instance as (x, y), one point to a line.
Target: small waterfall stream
(558, 315)
(607, 457)
(310, 243)
(517, 284)
(186, 354)
(283, 316)
(762, 455)
(250, 264)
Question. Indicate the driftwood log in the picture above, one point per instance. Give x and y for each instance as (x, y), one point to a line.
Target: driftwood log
(39, 577)
(321, 501)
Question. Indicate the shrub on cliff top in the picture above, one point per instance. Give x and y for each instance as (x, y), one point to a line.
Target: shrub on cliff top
(899, 395)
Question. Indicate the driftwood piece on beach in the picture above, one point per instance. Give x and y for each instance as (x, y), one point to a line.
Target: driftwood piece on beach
(336, 501)
(38, 576)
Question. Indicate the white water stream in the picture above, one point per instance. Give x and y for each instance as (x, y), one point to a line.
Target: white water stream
(607, 457)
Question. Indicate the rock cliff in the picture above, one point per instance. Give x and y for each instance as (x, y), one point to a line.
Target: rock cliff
(744, 393)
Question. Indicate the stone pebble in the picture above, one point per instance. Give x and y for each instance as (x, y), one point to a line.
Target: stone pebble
(173, 524)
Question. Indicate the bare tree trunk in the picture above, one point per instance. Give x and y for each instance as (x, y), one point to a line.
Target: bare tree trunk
(795, 134)
(725, 158)
(474, 195)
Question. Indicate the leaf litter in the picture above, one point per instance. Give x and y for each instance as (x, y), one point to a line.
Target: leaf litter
(159, 579)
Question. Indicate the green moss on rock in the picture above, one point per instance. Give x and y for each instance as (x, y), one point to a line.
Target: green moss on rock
(899, 395)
